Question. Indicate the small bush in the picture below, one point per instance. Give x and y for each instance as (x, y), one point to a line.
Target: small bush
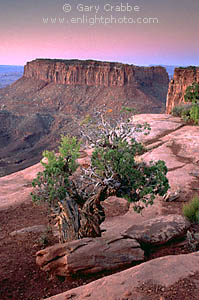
(194, 114)
(191, 210)
(182, 109)
(192, 95)
(188, 112)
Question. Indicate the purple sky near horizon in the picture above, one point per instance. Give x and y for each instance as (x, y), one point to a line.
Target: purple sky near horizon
(25, 36)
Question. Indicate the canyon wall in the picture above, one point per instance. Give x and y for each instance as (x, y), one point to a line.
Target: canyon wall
(183, 77)
(94, 73)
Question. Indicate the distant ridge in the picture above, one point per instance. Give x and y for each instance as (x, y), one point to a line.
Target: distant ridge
(93, 73)
(170, 69)
(9, 74)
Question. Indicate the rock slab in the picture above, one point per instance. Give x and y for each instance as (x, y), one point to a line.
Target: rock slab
(159, 230)
(90, 255)
(164, 271)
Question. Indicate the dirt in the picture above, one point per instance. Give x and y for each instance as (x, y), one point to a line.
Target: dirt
(186, 289)
(20, 278)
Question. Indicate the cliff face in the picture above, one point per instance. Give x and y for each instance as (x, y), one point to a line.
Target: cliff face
(183, 77)
(94, 73)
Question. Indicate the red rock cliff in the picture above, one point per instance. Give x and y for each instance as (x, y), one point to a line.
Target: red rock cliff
(183, 77)
(94, 73)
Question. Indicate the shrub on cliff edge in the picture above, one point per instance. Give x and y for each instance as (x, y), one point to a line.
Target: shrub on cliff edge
(189, 112)
(75, 198)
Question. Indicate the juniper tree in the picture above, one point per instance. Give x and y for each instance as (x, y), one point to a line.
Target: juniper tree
(74, 193)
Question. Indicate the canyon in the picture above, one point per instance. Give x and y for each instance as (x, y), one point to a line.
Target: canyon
(53, 94)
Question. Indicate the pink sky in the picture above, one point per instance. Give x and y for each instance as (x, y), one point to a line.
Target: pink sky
(172, 40)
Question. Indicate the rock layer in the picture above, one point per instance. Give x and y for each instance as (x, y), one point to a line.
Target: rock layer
(94, 73)
(183, 77)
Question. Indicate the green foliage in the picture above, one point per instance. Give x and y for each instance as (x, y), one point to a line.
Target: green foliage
(189, 112)
(117, 157)
(52, 184)
(194, 113)
(126, 109)
(69, 149)
(192, 93)
(114, 170)
(181, 110)
(116, 166)
(191, 210)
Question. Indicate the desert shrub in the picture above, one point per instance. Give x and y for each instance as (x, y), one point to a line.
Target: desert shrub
(115, 165)
(181, 109)
(74, 197)
(189, 112)
(194, 113)
(191, 210)
(192, 95)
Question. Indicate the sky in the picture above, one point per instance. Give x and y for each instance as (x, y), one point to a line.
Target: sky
(140, 32)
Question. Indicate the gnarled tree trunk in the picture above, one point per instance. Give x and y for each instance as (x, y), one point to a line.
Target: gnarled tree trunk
(77, 222)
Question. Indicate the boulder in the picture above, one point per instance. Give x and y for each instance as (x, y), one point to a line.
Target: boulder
(164, 271)
(90, 255)
(159, 230)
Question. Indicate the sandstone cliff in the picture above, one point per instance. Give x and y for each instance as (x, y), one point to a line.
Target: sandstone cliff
(94, 73)
(183, 77)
